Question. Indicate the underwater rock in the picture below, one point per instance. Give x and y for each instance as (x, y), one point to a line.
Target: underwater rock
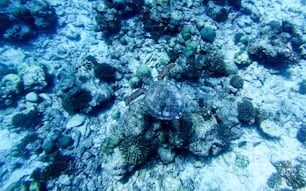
(187, 32)
(33, 75)
(164, 101)
(64, 141)
(26, 185)
(49, 146)
(204, 140)
(270, 128)
(242, 59)
(166, 155)
(75, 121)
(11, 87)
(117, 167)
(32, 97)
(110, 143)
(135, 120)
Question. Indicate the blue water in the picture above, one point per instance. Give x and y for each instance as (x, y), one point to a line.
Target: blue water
(152, 95)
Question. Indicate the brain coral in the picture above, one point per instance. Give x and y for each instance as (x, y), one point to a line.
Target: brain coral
(164, 101)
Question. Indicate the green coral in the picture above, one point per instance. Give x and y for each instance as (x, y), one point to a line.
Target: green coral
(143, 71)
(190, 48)
(25, 186)
(187, 32)
(134, 82)
(208, 34)
(164, 59)
(110, 143)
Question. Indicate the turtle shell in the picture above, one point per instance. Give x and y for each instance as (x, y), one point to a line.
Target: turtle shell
(164, 101)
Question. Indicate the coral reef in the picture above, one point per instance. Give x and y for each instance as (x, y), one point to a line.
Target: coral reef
(155, 94)
(273, 50)
(293, 172)
(158, 19)
(22, 21)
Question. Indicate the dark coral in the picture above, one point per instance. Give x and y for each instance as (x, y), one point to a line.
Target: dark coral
(27, 146)
(271, 55)
(302, 88)
(301, 134)
(59, 165)
(246, 111)
(236, 4)
(218, 14)
(274, 180)
(215, 64)
(236, 81)
(208, 61)
(105, 72)
(28, 120)
(179, 132)
(76, 100)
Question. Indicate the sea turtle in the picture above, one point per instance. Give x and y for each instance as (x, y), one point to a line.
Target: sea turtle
(163, 100)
